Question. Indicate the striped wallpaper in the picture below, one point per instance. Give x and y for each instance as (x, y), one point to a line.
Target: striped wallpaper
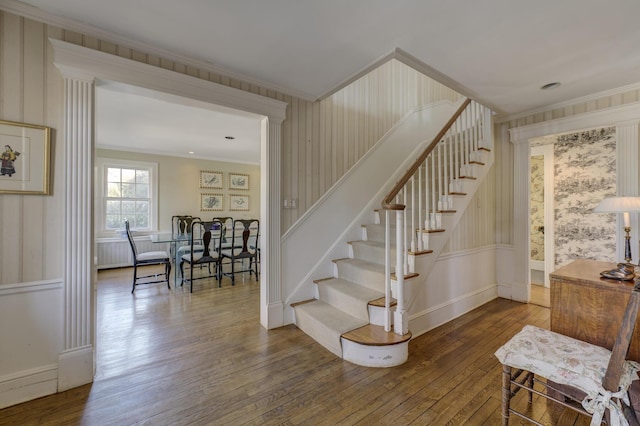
(321, 139)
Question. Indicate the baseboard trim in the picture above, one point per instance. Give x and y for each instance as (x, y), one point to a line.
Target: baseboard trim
(75, 368)
(435, 316)
(27, 385)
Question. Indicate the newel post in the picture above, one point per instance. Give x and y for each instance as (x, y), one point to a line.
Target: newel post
(400, 319)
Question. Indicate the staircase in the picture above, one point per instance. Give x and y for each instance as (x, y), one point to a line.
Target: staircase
(354, 310)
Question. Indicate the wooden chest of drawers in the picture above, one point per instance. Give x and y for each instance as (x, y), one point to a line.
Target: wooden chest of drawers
(590, 308)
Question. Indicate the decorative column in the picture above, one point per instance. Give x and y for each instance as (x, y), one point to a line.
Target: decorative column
(520, 290)
(271, 312)
(76, 361)
(627, 160)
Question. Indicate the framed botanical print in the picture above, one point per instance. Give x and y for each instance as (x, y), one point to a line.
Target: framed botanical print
(238, 202)
(238, 181)
(211, 202)
(24, 157)
(211, 180)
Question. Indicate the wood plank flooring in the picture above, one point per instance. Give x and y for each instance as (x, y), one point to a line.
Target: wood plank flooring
(175, 358)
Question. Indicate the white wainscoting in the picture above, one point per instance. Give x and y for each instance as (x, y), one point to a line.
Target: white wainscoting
(458, 283)
(31, 336)
(116, 253)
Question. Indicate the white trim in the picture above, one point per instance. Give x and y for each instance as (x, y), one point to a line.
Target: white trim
(28, 384)
(435, 316)
(101, 164)
(500, 118)
(628, 114)
(466, 252)
(548, 265)
(75, 367)
(537, 265)
(589, 120)
(30, 287)
(84, 61)
(34, 13)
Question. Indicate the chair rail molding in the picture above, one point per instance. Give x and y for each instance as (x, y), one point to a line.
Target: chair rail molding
(626, 119)
(81, 68)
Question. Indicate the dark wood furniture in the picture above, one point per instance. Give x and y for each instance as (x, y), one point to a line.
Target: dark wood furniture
(590, 308)
(146, 259)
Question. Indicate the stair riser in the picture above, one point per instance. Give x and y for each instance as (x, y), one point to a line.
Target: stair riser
(369, 253)
(371, 279)
(344, 302)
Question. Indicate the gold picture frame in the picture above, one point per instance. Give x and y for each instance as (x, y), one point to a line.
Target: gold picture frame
(238, 202)
(238, 181)
(24, 158)
(212, 180)
(211, 202)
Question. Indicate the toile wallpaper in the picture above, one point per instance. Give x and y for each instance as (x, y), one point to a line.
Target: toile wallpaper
(585, 173)
(537, 207)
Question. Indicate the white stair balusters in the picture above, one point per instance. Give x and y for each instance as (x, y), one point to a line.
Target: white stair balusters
(438, 173)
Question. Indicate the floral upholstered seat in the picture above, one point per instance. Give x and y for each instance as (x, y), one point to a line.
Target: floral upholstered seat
(571, 362)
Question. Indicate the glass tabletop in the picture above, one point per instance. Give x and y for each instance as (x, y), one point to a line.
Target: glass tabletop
(168, 237)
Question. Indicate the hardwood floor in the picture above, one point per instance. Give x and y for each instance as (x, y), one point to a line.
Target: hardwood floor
(540, 295)
(175, 358)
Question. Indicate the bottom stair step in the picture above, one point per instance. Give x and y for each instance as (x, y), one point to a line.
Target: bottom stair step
(371, 346)
(326, 324)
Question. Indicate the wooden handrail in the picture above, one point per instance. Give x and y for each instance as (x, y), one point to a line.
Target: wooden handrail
(387, 202)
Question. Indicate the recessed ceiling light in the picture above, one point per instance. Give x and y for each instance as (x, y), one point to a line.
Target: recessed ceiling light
(550, 85)
(229, 137)
(191, 152)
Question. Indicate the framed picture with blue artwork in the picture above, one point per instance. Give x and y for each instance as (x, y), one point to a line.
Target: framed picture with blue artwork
(211, 202)
(238, 181)
(238, 202)
(211, 180)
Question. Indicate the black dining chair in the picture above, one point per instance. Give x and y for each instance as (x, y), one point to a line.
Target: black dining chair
(146, 259)
(244, 239)
(202, 234)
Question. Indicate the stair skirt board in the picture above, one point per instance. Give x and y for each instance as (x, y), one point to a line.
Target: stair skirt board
(375, 356)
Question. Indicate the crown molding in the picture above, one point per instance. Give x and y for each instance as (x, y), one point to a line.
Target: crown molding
(627, 114)
(74, 60)
(31, 12)
(499, 118)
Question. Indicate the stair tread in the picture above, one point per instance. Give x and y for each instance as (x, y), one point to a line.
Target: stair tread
(374, 335)
(330, 316)
(354, 290)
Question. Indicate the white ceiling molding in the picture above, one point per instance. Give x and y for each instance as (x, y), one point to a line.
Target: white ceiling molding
(601, 118)
(501, 118)
(31, 12)
(80, 60)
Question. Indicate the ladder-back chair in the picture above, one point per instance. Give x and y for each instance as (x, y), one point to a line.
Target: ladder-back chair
(601, 377)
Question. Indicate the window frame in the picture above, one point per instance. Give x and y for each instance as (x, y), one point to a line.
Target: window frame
(102, 165)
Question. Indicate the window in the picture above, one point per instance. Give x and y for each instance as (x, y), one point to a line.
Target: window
(127, 192)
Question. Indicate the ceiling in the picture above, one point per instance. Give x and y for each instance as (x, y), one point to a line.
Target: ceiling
(130, 118)
(499, 52)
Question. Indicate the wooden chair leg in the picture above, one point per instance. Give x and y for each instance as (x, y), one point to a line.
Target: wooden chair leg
(506, 394)
(530, 385)
(181, 273)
